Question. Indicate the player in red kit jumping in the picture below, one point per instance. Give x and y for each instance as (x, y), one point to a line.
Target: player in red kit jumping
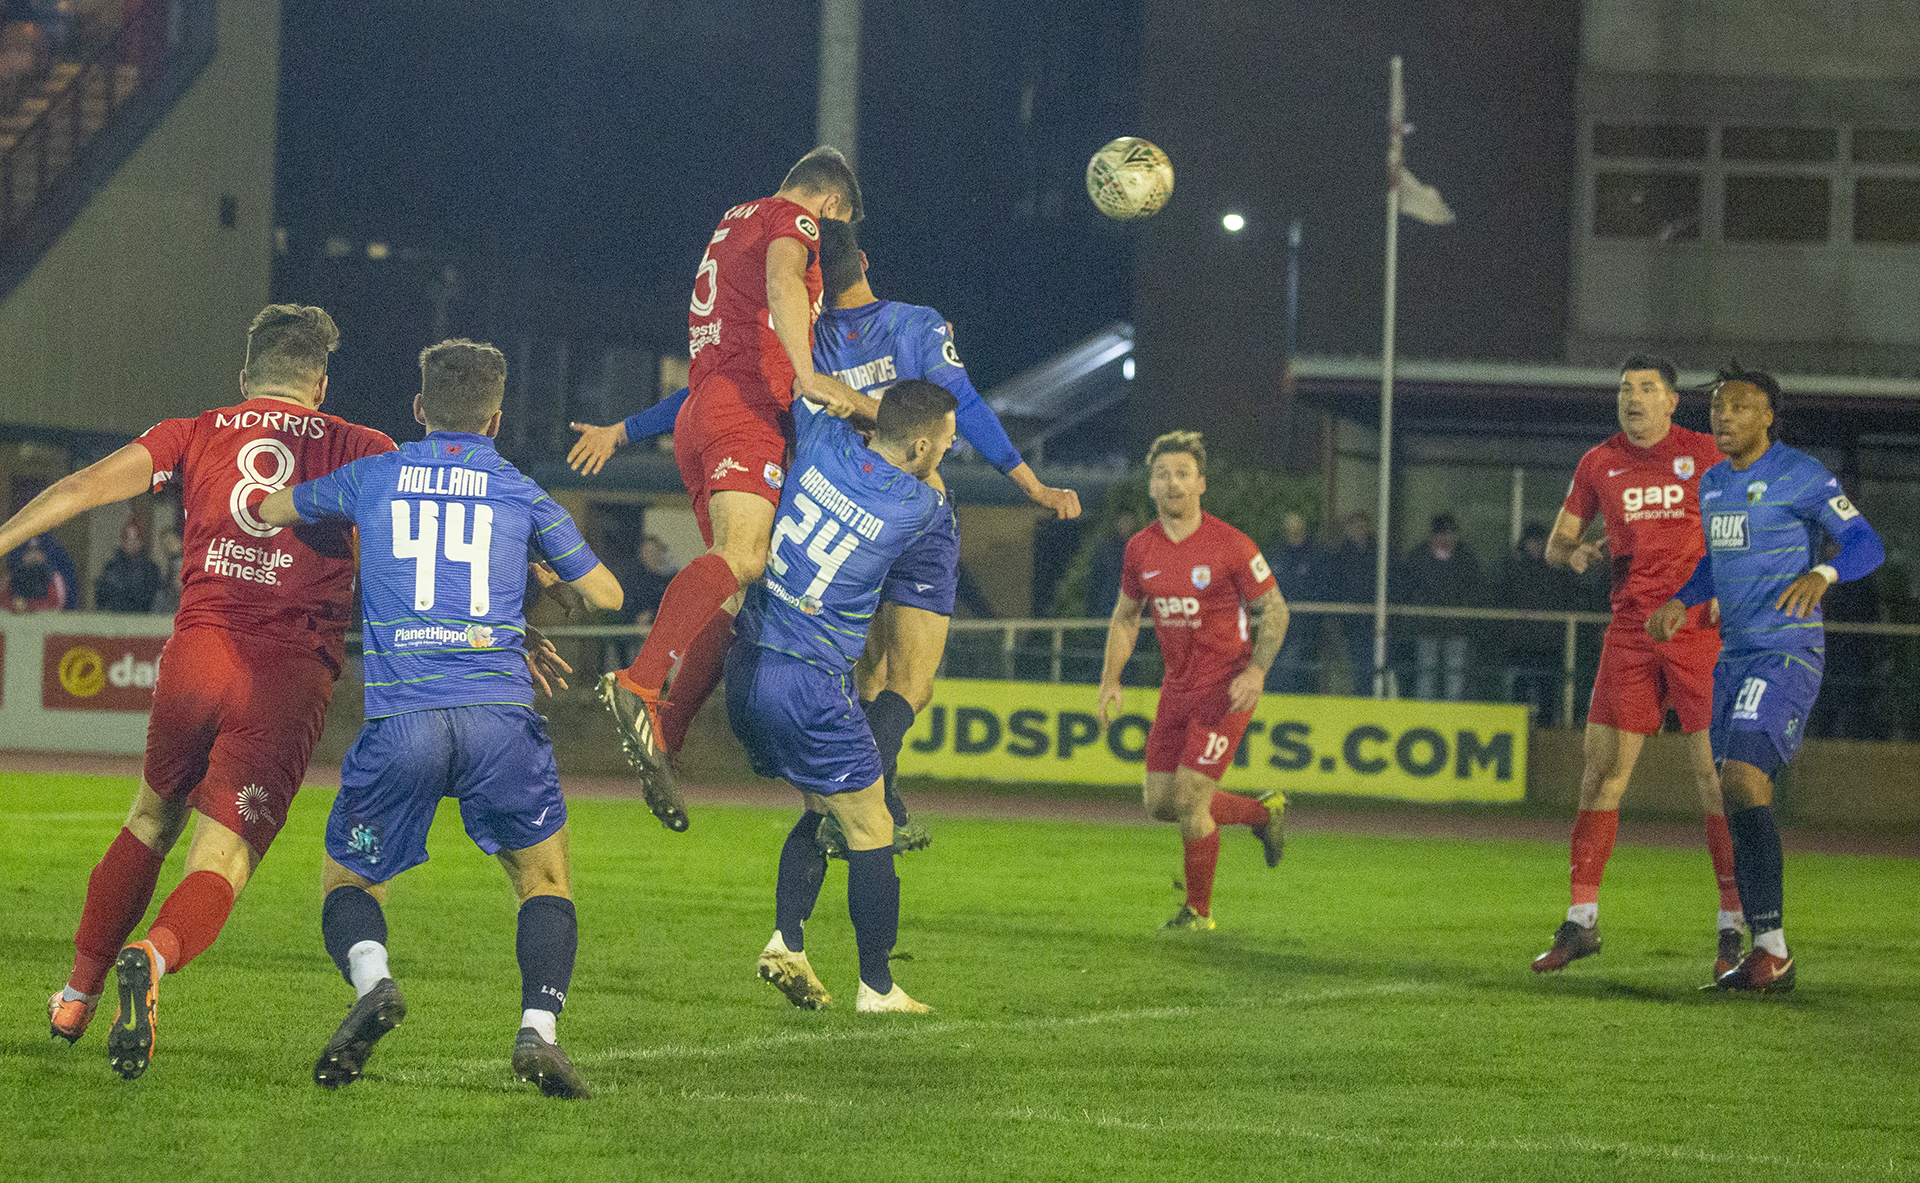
(1645, 484)
(1202, 577)
(244, 680)
(750, 333)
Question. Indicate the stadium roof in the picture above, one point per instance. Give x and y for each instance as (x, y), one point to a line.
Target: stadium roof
(1553, 376)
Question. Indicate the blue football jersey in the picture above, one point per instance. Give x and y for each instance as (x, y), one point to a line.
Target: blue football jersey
(1762, 525)
(875, 345)
(845, 516)
(445, 530)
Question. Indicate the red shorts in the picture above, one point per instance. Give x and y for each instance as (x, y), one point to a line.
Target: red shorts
(1195, 729)
(1640, 678)
(234, 723)
(730, 438)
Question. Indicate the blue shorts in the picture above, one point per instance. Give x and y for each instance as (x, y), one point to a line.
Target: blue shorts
(496, 759)
(1760, 706)
(799, 723)
(927, 574)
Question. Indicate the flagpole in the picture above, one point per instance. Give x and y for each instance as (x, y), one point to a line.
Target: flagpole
(1396, 121)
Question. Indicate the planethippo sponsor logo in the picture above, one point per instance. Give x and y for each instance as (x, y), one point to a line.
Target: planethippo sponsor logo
(473, 636)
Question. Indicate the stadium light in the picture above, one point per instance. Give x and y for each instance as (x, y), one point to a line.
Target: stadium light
(1126, 369)
(1234, 223)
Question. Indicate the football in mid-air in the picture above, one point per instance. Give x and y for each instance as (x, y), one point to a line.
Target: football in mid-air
(1129, 178)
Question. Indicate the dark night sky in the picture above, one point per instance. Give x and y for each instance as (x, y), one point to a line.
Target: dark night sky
(588, 148)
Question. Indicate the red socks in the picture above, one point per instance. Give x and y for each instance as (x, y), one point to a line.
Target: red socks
(118, 893)
(1720, 846)
(1593, 833)
(699, 673)
(191, 918)
(1231, 809)
(692, 598)
(1202, 857)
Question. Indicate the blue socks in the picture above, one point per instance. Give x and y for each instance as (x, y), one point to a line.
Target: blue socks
(873, 900)
(1758, 869)
(803, 868)
(549, 935)
(890, 717)
(350, 916)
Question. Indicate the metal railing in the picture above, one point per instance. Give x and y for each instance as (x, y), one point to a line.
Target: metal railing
(109, 72)
(1054, 654)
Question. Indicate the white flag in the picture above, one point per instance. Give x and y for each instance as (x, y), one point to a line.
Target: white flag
(1421, 201)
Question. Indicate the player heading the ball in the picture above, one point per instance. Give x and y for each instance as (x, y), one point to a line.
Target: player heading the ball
(1201, 576)
(750, 334)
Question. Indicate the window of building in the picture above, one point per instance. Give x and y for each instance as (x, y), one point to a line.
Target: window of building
(1886, 209)
(1886, 145)
(1779, 143)
(1777, 209)
(1661, 206)
(1656, 141)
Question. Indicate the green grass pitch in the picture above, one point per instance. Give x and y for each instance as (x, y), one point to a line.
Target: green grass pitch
(1364, 1012)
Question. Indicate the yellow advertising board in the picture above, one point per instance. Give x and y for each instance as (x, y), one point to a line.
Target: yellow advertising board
(1415, 751)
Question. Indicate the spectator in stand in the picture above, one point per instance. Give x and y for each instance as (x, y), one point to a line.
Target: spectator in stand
(1536, 650)
(1302, 569)
(1351, 575)
(131, 579)
(172, 552)
(34, 584)
(1441, 572)
(1103, 574)
(650, 580)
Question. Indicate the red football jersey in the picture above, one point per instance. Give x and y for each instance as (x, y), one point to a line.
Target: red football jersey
(729, 330)
(291, 584)
(1650, 498)
(1198, 590)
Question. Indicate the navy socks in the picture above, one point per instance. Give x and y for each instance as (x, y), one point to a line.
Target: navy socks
(549, 935)
(1758, 869)
(873, 900)
(350, 916)
(890, 717)
(803, 868)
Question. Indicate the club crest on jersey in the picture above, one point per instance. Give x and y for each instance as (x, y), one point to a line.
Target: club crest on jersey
(726, 466)
(479, 636)
(1683, 467)
(950, 354)
(774, 475)
(1202, 576)
(808, 228)
(1755, 492)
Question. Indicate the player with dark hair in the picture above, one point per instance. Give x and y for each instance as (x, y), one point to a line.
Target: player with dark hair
(1644, 484)
(750, 332)
(446, 525)
(1202, 577)
(851, 509)
(244, 680)
(871, 343)
(1765, 507)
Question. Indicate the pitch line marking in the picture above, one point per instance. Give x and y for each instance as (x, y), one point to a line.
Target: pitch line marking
(1528, 1146)
(911, 1030)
